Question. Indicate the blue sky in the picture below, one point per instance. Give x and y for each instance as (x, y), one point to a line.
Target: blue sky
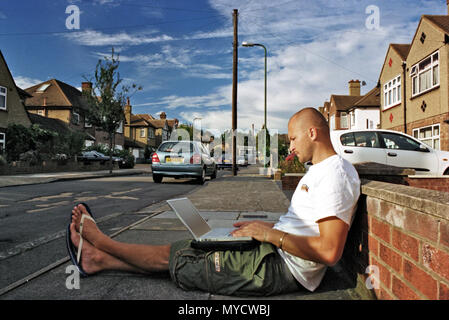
(180, 51)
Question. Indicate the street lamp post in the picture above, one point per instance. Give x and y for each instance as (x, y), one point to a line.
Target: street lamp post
(248, 44)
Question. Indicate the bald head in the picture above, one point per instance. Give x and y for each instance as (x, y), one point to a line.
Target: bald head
(308, 132)
(309, 117)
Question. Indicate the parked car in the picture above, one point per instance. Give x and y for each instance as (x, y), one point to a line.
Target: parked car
(391, 148)
(93, 155)
(242, 161)
(223, 161)
(183, 159)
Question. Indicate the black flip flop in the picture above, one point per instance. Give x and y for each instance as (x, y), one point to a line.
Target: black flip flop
(71, 247)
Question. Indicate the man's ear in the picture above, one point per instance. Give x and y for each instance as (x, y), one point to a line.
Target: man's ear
(312, 133)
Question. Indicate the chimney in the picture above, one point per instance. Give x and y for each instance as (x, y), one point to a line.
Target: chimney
(86, 87)
(163, 116)
(354, 87)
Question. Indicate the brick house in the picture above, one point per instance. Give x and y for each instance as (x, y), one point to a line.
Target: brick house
(12, 109)
(423, 109)
(58, 100)
(353, 111)
(143, 131)
(392, 90)
(164, 127)
(139, 132)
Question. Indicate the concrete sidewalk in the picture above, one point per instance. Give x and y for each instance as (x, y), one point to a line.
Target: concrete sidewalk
(221, 202)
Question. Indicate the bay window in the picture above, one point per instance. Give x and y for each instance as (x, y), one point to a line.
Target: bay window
(429, 135)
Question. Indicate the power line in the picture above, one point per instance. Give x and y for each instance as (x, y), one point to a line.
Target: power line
(288, 42)
(164, 8)
(108, 28)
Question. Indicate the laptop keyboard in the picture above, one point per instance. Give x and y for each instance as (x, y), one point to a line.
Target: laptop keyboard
(214, 233)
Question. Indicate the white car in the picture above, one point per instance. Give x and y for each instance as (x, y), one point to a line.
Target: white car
(390, 147)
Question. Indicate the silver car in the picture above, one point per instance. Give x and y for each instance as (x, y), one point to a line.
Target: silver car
(183, 159)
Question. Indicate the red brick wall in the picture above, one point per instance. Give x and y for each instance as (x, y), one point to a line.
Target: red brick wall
(290, 182)
(409, 247)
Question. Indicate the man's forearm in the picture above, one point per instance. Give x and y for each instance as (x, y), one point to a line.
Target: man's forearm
(308, 248)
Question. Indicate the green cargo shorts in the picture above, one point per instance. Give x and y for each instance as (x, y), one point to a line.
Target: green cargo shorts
(257, 272)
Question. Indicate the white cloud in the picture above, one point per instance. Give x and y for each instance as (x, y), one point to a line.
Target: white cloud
(299, 75)
(98, 38)
(26, 82)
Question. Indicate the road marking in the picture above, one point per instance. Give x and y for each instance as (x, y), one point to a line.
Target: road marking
(128, 191)
(85, 199)
(46, 198)
(122, 198)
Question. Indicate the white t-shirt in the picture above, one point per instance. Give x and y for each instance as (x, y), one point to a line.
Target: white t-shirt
(330, 188)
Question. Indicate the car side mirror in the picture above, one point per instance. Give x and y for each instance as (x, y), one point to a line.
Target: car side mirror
(423, 148)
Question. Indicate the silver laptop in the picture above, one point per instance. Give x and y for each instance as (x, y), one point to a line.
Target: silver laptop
(198, 227)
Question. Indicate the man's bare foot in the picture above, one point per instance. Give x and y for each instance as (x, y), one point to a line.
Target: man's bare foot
(90, 230)
(91, 258)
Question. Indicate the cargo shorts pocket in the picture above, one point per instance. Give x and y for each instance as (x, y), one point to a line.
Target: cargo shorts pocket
(188, 266)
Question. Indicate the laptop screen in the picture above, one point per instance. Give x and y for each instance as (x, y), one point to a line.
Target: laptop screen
(191, 218)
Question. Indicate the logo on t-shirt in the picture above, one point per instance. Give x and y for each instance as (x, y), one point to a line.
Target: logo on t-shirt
(305, 188)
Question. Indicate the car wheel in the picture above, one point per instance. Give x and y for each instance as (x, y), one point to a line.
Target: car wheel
(157, 178)
(202, 179)
(446, 172)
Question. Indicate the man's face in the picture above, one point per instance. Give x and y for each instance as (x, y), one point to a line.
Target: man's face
(300, 143)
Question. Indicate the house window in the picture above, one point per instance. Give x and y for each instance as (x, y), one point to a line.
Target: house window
(120, 127)
(353, 119)
(142, 133)
(425, 74)
(429, 135)
(2, 143)
(43, 87)
(75, 118)
(3, 91)
(151, 133)
(392, 92)
(344, 120)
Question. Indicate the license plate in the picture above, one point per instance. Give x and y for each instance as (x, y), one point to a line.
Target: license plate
(174, 160)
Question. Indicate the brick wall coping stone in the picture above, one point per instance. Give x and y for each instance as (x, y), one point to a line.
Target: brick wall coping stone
(432, 202)
(423, 176)
(373, 168)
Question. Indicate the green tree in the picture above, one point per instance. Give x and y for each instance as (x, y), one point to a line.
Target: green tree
(106, 99)
(19, 141)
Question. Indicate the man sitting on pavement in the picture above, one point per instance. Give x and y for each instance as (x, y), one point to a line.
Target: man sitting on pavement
(292, 254)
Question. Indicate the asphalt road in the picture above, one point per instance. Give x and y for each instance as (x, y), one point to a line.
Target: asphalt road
(33, 218)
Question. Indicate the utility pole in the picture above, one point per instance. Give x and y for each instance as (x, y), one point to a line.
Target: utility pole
(234, 95)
